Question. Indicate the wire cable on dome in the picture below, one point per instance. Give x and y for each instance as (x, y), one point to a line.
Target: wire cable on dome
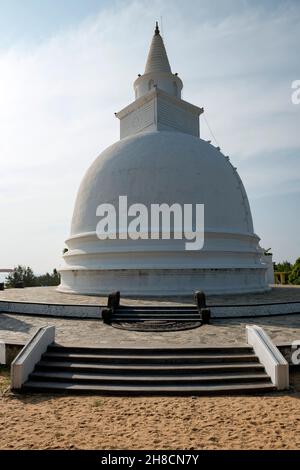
(209, 128)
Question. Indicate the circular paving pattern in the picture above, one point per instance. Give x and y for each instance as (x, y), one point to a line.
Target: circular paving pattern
(156, 325)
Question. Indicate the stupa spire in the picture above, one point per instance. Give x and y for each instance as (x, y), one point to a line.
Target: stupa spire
(158, 73)
(157, 60)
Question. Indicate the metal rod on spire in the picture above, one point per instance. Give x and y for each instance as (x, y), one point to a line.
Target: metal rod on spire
(156, 29)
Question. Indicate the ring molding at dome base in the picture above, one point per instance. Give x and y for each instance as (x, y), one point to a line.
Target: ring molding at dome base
(160, 282)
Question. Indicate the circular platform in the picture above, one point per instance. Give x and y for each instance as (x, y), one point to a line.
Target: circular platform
(280, 300)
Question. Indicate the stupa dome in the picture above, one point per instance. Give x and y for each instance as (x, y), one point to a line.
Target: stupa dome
(160, 159)
(165, 167)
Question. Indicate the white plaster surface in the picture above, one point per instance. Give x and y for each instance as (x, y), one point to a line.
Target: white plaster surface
(156, 167)
(269, 355)
(268, 259)
(25, 361)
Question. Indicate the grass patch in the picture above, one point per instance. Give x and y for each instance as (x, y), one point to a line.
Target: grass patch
(97, 403)
(4, 378)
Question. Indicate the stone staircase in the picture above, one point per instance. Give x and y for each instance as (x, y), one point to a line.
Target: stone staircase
(149, 371)
(153, 313)
(195, 315)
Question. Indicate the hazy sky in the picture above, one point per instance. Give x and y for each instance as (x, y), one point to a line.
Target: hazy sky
(67, 65)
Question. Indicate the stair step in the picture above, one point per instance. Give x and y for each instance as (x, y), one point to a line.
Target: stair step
(149, 371)
(149, 318)
(140, 311)
(131, 379)
(153, 358)
(149, 351)
(165, 308)
(155, 369)
(149, 389)
(155, 314)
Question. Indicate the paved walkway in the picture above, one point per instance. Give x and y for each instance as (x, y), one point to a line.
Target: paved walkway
(18, 328)
(50, 295)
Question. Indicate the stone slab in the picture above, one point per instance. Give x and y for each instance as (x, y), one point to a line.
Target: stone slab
(18, 328)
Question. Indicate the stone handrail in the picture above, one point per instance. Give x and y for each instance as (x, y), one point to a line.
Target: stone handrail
(32, 352)
(269, 355)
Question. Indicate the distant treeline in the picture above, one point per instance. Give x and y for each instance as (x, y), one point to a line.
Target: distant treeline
(24, 275)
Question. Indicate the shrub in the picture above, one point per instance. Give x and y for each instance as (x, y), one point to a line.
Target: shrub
(294, 277)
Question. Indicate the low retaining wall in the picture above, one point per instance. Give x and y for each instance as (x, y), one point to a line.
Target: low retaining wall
(51, 310)
(290, 353)
(10, 351)
(254, 310)
(94, 311)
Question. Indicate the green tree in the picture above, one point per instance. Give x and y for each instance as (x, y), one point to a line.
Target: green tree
(294, 277)
(26, 276)
(283, 267)
(49, 279)
(55, 277)
(21, 274)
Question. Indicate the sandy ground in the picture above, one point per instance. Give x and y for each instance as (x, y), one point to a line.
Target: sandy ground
(70, 422)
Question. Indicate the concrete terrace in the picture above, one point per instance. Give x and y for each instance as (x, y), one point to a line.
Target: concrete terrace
(17, 328)
(49, 295)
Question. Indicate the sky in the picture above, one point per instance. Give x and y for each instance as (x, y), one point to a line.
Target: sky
(67, 66)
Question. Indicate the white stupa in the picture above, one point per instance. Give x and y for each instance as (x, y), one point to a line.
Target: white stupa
(160, 158)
